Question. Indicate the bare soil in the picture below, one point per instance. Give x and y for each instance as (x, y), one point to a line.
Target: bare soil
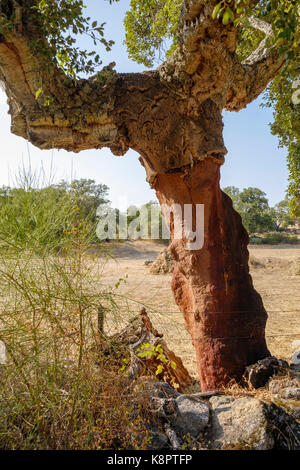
(270, 268)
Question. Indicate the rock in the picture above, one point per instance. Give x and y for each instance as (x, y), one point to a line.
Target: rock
(148, 261)
(193, 415)
(239, 423)
(224, 422)
(150, 437)
(295, 360)
(165, 408)
(276, 385)
(282, 364)
(258, 374)
(286, 395)
(207, 395)
(290, 393)
(186, 415)
(173, 438)
(158, 440)
(158, 390)
(284, 423)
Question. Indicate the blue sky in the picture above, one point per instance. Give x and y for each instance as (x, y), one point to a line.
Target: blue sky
(253, 158)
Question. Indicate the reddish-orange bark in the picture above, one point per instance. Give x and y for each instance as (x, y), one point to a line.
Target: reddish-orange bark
(212, 286)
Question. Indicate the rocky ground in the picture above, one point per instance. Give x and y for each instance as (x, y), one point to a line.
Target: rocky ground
(223, 421)
(263, 413)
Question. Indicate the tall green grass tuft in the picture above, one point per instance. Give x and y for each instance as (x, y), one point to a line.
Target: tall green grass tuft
(58, 389)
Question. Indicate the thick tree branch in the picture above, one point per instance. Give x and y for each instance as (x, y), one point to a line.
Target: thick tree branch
(202, 62)
(252, 76)
(262, 51)
(73, 116)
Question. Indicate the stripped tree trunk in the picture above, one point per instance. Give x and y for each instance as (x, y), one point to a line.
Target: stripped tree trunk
(212, 286)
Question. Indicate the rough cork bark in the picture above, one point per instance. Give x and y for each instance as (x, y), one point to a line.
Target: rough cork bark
(172, 118)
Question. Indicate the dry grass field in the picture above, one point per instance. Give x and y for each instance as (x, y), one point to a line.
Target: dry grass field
(270, 269)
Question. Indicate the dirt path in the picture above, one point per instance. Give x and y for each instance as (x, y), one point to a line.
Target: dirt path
(271, 276)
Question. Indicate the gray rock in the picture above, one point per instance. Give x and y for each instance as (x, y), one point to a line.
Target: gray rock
(193, 415)
(258, 374)
(239, 423)
(284, 422)
(175, 441)
(158, 389)
(292, 393)
(276, 385)
(283, 364)
(165, 408)
(154, 440)
(207, 395)
(158, 440)
(185, 414)
(148, 261)
(295, 360)
(291, 407)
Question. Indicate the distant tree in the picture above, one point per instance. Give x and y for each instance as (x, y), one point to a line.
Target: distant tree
(253, 206)
(45, 215)
(234, 193)
(88, 195)
(282, 215)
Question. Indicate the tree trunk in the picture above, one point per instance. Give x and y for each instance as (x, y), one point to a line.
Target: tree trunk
(212, 286)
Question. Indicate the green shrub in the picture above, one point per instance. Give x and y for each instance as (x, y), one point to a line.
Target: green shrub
(59, 390)
(274, 238)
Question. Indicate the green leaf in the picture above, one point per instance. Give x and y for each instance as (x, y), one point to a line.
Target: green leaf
(216, 10)
(38, 93)
(226, 18)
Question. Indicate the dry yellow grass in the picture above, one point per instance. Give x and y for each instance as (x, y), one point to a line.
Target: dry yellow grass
(280, 291)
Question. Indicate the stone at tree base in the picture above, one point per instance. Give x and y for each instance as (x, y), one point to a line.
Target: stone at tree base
(296, 358)
(259, 373)
(286, 394)
(276, 385)
(158, 440)
(165, 408)
(175, 441)
(157, 389)
(193, 416)
(240, 423)
(222, 422)
(290, 392)
(186, 415)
